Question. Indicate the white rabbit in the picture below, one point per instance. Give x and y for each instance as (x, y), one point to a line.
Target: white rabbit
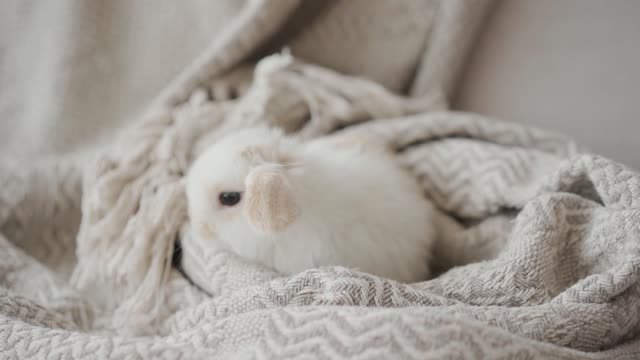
(294, 205)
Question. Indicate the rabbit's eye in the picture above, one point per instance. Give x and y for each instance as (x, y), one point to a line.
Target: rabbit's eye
(229, 198)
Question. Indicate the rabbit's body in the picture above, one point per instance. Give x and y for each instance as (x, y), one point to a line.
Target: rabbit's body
(312, 204)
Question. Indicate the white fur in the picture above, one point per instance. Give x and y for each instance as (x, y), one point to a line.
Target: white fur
(358, 208)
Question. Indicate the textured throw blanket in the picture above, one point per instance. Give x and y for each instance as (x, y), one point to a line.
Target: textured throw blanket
(541, 243)
(538, 253)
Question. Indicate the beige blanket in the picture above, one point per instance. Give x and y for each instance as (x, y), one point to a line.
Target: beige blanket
(540, 242)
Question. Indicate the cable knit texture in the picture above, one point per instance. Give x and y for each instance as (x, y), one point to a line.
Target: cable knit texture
(538, 240)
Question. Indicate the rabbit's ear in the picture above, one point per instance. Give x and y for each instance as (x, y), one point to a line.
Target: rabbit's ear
(270, 204)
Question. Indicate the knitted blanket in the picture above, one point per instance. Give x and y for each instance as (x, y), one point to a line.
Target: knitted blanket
(538, 244)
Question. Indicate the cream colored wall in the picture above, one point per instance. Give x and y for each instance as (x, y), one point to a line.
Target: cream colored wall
(569, 65)
(72, 72)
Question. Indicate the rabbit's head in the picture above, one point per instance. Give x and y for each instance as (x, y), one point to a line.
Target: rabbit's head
(240, 187)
